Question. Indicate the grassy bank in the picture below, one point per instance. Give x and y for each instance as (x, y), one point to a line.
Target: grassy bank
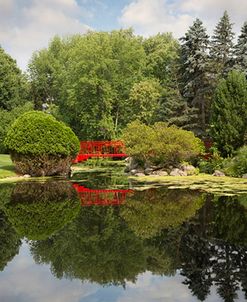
(6, 167)
(202, 182)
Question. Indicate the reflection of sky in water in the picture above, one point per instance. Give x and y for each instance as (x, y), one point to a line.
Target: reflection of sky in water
(25, 281)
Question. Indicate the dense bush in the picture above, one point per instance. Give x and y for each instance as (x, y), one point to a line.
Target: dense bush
(40, 145)
(160, 144)
(237, 166)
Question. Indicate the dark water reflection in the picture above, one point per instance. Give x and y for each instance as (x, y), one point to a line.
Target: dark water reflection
(158, 245)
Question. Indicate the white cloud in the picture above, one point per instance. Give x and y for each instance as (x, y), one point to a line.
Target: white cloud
(150, 17)
(28, 25)
(23, 280)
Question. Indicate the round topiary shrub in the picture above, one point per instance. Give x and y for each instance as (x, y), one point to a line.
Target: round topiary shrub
(40, 145)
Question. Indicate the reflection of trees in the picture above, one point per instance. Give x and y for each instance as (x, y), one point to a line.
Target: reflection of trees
(212, 251)
(148, 212)
(98, 247)
(37, 210)
(9, 241)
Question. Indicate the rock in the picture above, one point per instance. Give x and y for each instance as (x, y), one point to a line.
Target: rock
(148, 171)
(178, 172)
(26, 175)
(160, 173)
(189, 169)
(133, 172)
(244, 176)
(127, 159)
(132, 164)
(139, 174)
(218, 173)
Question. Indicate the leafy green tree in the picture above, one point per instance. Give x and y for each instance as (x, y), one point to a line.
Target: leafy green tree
(221, 51)
(7, 118)
(144, 99)
(195, 75)
(228, 122)
(89, 78)
(240, 53)
(162, 53)
(13, 85)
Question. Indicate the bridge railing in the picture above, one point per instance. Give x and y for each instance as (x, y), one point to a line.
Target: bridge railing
(90, 149)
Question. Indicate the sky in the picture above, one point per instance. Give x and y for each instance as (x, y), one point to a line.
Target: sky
(28, 25)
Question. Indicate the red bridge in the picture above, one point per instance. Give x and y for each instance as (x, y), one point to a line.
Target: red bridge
(89, 149)
(91, 197)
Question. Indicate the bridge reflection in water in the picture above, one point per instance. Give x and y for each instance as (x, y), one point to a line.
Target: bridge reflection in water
(90, 197)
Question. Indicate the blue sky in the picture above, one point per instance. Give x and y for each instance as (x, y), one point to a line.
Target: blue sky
(28, 25)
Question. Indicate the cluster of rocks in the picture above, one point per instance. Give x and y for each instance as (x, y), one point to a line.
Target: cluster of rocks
(133, 168)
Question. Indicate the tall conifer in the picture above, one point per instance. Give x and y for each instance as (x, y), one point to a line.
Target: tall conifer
(221, 51)
(241, 51)
(195, 77)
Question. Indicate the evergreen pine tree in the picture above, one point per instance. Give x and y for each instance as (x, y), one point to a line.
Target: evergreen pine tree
(221, 51)
(241, 51)
(195, 76)
(229, 107)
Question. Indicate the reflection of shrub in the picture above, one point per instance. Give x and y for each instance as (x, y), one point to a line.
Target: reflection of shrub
(40, 145)
(10, 241)
(160, 144)
(237, 166)
(37, 210)
(148, 212)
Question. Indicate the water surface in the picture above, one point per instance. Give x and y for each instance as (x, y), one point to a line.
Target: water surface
(100, 240)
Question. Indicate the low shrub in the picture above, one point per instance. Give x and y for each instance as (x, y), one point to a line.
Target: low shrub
(214, 162)
(39, 145)
(160, 144)
(237, 166)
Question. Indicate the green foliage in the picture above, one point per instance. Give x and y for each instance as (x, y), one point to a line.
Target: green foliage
(38, 210)
(160, 144)
(89, 77)
(221, 51)
(241, 51)
(13, 85)
(7, 118)
(144, 100)
(214, 162)
(37, 133)
(237, 166)
(228, 122)
(194, 70)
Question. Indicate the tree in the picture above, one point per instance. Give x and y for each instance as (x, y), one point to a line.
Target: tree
(229, 107)
(241, 51)
(195, 76)
(144, 100)
(162, 52)
(13, 85)
(7, 118)
(89, 78)
(221, 51)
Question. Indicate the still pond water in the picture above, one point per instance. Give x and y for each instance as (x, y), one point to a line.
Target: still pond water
(100, 240)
